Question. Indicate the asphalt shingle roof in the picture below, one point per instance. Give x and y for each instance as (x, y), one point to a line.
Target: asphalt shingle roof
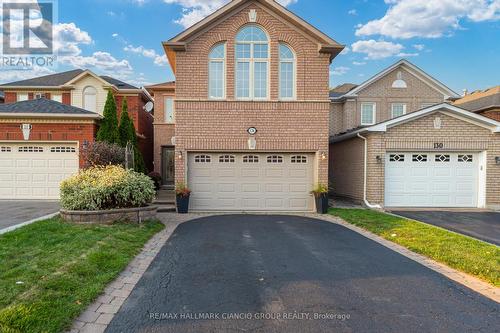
(42, 106)
(119, 84)
(342, 89)
(52, 80)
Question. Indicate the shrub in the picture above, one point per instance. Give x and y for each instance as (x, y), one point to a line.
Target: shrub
(104, 153)
(156, 178)
(108, 130)
(109, 187)
(181, 190)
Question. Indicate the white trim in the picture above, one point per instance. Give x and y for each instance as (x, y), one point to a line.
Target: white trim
(20, 225)
(224, 71)
(374, 113)
(89, 72)
(49, 115)
(412, 69)
(294, 78)
(482, 181)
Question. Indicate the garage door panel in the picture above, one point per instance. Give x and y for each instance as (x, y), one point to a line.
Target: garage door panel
(39, 163)
(20, 163)
(441, 181)
(254, 183)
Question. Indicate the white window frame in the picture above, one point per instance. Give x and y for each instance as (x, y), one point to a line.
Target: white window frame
(294, 77)
(392, 109)
(374, 113)
(224, 71)
(85, 93)
(166, 117)
(251, 67)
(56, 97)
(20, 97)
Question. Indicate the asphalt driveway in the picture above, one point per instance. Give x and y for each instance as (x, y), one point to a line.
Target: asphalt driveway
(481, 225)
(15, 212)
(292, 270)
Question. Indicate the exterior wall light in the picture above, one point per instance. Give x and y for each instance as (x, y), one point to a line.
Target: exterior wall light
(323, 156)
(379, 159)
(179, 155)
(497, 160)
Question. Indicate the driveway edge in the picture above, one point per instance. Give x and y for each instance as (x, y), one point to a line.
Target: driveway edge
(22, 224)
(96, 318)
(469, 281)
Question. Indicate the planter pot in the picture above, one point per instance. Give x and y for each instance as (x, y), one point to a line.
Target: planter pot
(182, 204)
(136, 215)
(321, 203)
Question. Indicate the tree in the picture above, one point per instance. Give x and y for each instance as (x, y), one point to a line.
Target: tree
(128, 134)
(108, 131)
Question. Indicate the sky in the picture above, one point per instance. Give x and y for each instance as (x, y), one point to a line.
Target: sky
(456, 41)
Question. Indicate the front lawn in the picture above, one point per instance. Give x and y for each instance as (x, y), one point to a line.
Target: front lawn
(50, 271)
(460, 252)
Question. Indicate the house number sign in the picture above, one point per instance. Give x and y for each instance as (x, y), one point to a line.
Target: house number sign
(438, 145)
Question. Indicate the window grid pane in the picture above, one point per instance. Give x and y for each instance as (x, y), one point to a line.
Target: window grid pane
(398, 110)
(242, 51)
(216, 83)
(260, 80)
(286, 80)
(367, 114)
(242, 80)
(169, 110)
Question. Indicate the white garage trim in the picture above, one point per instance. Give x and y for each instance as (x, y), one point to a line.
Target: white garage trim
(251, 181)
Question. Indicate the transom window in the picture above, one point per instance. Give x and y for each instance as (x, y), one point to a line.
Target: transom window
(30, 149)
(251, 159)
(252, 63)
(216, 71)
(5, 149)
(465, 158)
(442, 158)
(299, 159)
(202, 159)
(226, 159)
(396, 157)
(275, 159)
(419, 158)
(63, 150)
(287, 72)
(398, 109)
(368, 113)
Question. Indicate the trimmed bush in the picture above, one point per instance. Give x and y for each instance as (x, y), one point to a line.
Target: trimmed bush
(109, 187)
(103, 153)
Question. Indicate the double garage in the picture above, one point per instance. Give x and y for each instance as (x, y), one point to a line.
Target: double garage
(34, 170)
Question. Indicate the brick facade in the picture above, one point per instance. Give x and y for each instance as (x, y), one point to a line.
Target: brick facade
(300, 126)
(50, 130)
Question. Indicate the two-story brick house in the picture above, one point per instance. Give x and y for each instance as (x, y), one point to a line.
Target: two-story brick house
(251, 108)
(61, 112)
(396, 143)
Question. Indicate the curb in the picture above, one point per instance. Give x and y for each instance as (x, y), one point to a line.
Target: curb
(20, 225)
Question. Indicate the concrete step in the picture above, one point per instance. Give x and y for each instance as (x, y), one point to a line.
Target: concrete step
(166, 208)
(160, 202)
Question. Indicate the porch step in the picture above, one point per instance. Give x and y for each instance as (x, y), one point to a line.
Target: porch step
(166, 208)
(166, 202)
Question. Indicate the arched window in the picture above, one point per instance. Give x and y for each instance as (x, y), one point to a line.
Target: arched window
(287, 72)
(90, 99)
(252, 63)
(216, 71)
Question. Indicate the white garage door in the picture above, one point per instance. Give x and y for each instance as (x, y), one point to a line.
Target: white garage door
(251, 182)
(34, 170)
(431, 180)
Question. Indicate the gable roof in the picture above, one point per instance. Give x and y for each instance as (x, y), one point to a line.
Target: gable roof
(480, 100)
(342, 89)
(451, 110)
(414, 70)
(178, 43)
(44, 107)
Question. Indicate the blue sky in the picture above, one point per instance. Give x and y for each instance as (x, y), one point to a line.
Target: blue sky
(456, 41)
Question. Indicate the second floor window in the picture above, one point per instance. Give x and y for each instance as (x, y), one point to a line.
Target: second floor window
(368, 113)
(287, 72)
(252, 63)
(169, 110)
(216, 71)
(398, 109)
(22, 97)
(90, 99)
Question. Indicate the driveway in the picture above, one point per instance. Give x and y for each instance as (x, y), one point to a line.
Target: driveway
(481, 225)
(15, 212)
(235, 267)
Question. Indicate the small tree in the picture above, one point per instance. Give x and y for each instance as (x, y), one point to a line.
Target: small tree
(127, 134)
(108, 131)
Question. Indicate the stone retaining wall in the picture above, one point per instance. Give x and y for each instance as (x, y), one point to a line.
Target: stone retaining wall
(136, 215)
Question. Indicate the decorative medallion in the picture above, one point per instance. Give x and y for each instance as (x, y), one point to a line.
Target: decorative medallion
(252, 15)
(252, 131)
(437, 123)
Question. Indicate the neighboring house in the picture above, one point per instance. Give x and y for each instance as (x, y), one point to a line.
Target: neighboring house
(86, 90)
(2, 97)
(486, 103)
(39, 146)
(251, 108)
(164, 131)
(396, 143)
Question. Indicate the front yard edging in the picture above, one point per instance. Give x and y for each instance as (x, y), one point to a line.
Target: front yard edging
(462, 278)
(136, 215)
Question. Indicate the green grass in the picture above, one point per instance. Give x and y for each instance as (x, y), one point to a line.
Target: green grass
(63, 267)
(460, 252)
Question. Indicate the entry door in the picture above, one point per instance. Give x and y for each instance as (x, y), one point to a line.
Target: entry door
(168, 165)
(432, 179)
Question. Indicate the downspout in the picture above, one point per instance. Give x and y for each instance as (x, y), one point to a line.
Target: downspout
(365, 177)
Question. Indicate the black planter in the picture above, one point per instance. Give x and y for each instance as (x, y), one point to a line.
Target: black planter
(321, 203)
(182, 204)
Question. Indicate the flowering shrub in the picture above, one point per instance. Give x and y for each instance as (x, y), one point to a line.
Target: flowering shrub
(106, 187)
(181, 190)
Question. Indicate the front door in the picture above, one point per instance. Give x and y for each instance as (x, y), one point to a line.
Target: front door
(168, 165)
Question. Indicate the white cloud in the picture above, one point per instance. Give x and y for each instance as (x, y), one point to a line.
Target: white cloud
(13, 75)
(359, 63)
(102, 62)
(196, 10)
(352, 12)
(419, 47)
(377, 49)
(159, 60)
(430, 19)
(407, 54)
(340, 70)
(345, 50)
(68, 38)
